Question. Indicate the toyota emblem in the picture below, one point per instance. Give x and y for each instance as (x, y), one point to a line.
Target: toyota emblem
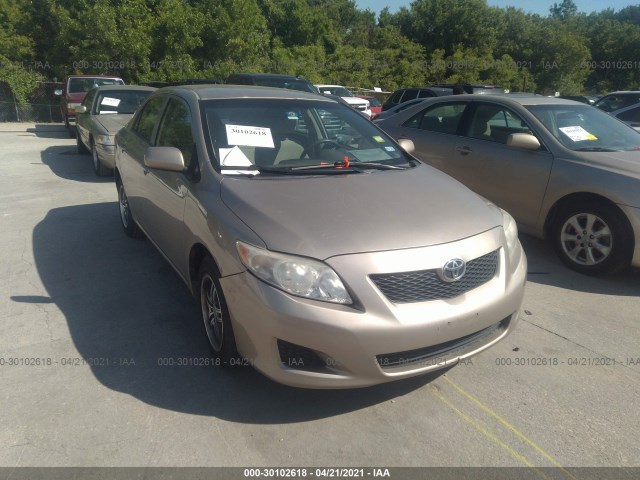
(453, 270)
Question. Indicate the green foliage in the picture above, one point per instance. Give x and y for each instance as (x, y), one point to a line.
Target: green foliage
(333, 41)
(21, 82)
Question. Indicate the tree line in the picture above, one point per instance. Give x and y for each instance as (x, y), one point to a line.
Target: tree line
(328, 41)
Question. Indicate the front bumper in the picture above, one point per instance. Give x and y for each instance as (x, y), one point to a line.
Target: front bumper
(376, 341)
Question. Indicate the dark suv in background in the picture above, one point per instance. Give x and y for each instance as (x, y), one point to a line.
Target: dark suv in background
(405, 94)
(272, 80)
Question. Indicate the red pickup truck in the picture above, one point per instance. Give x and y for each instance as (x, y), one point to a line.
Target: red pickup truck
(76, 88)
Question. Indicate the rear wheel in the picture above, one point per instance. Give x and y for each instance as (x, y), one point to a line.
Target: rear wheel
(215, 315)
(129, 225)
(593, 238)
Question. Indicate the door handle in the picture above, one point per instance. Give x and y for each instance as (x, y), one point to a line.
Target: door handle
(464, 150)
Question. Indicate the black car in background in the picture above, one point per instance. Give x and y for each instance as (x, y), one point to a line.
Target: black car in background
(405, 94)
(272, 80)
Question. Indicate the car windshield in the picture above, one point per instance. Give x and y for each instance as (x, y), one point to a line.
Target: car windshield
(120, 101)
(374, 102)
(338, 91)
(82, 85)
(274, 136)
(616, 101)
(584, 128)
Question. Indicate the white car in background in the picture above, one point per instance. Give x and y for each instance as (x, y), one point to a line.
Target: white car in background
(357, 103)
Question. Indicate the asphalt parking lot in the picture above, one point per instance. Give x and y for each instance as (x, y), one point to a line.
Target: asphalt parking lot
(91, 321)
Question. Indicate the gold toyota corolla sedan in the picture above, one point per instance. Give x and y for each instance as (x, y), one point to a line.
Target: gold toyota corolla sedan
(320, 251)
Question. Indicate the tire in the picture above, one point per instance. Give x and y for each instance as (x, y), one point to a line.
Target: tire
(215, 315)
(129, 225)
(82, 150)
(98, 167)
(593, 238)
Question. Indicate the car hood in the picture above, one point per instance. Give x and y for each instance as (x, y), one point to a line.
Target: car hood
(327, 215)
(626, 162)
(113, 122)
(355, 101)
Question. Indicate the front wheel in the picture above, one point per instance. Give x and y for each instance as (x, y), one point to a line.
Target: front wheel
(593, 238)
(215, 315)
(79, 145)
(129, 225)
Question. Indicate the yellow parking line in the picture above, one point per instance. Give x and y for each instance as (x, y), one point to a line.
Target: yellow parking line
(513, 429)
(487, 433)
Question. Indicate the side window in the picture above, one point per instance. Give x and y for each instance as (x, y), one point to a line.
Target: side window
(495, 123)
(443, 118)
(410, 94)
(148, 118)
(88, 100)
(631, 115)
(425, 94)
(396, 97)
(175, 130)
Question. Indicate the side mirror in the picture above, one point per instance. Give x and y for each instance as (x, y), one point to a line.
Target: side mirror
(523, 140)
(164, 158)
(81, 109)
(57, 92)
(407, 145)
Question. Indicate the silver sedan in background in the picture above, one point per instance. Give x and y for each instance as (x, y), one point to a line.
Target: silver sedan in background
(103, 112)
(566, 171)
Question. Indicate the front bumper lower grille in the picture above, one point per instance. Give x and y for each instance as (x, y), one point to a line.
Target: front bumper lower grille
(425, 285)
(437, 354)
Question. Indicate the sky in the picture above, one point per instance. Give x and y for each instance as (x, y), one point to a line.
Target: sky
(540, 7)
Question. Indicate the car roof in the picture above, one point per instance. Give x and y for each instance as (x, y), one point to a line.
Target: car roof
(618, 92)
(265, 75)
(111, 77)
(214, 92)
(507, 99)
(126, 87)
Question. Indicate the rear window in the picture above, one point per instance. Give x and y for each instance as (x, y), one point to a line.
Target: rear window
(82, 85)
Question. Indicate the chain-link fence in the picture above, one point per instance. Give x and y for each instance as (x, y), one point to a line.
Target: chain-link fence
(43, 105)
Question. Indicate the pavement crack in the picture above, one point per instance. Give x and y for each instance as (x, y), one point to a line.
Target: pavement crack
(604, 355)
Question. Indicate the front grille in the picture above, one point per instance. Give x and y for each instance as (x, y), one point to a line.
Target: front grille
(424, 285)
(437, 354)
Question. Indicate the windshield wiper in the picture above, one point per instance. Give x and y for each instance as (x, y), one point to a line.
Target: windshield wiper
(351, 165)
(596, 149)
(336, 168)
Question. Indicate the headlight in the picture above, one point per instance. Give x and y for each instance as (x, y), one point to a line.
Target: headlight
(105, 139)
(510, 230)
(298, 276)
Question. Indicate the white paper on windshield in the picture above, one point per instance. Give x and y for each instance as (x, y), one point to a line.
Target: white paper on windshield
(577, 133)
(233, 157)
(111, 102)
(249, 136)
